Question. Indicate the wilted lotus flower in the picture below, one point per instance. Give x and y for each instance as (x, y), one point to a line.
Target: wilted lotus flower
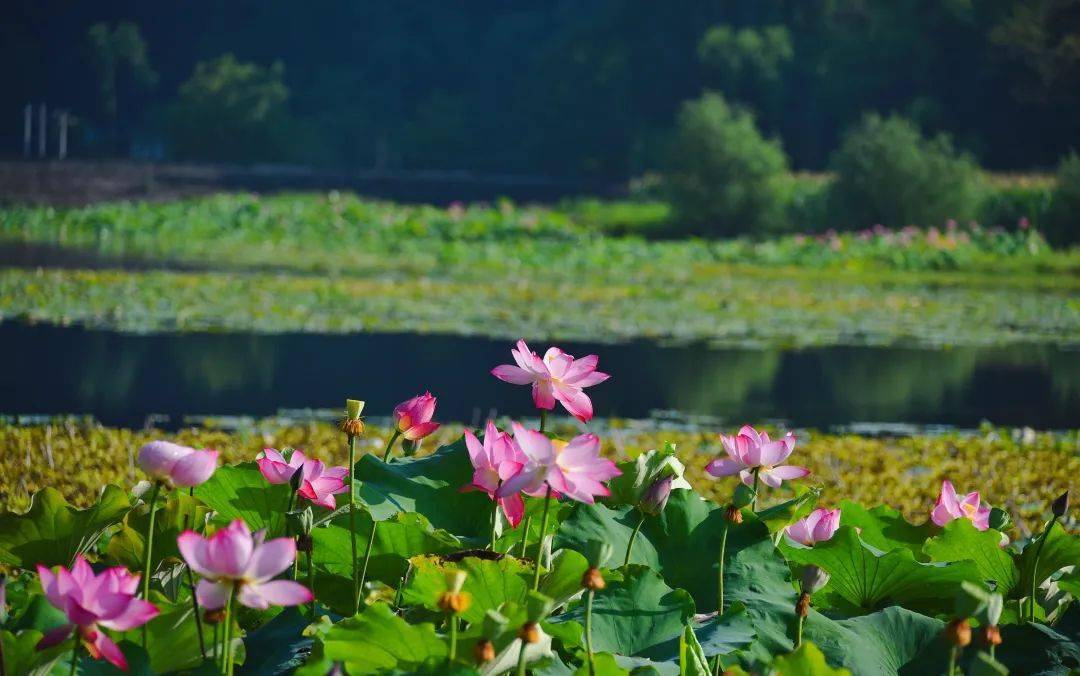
(413, 417)
(949, 506)
(177, 465)
(813, 579)
(497, 459)
(750, 450)
(233, 559)
(93, 601)
(818, 526)
(574, 469)
(316, 482)
(556, 377)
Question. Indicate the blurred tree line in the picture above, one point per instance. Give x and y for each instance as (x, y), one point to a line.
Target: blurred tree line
(564, 87)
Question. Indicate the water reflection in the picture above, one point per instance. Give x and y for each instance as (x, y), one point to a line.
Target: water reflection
(122, 378)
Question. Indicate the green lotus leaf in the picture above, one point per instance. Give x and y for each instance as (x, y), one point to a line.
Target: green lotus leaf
(178, 513)
(636, 612)
(1061, 549)
(277, 647)
(397, 539)
(490, 583)
(52, 532)
(376, 640)
(806, 660)
(683, 542)
(431, 486)
(242, 492)
(886, 529)
(961, 541)
(172, 641)
(863, 579)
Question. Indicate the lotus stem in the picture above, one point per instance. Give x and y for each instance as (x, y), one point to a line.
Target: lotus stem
(311, 581)
(453, 638)
(952, 660)
(367, 552)
(494, 521)
(1035, 567)
(194, 598)
(525, 536)
(288, 508)
(543, 419)
(148, 550)
(226, 653)
(389, 446)
(757, 479)
(588, 631)
(720, 569)
(352, 525)
(540, 541)
(521, 659)
(74, 654)
(633, 537)
(798, 631)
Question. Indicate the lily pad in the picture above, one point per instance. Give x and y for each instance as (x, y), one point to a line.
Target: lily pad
(961, 541)
(242, 492)
(52, 532)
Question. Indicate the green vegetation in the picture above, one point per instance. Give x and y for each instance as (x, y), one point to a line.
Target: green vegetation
(339, 263)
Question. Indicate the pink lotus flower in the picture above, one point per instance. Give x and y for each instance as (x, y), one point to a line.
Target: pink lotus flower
(556, 377)
(574, 469)
(92, 601)
(818, 526)
(318, 483)
(177, 465)
(413, 417)
(233, 559)
(749, 450)
(949, 506)
(495, 461)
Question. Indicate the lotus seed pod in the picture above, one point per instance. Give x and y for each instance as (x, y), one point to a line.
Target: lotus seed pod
(454, 603)
(802, 606)
(353, 427)
(353, 408)
(813, 579)
(593, 579)
(214, 616)
(1061, 506)
(958, 633)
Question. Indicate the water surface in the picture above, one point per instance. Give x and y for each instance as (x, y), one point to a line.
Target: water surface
(123, 378)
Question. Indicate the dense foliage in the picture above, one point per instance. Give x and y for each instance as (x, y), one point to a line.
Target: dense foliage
(421, 577)
(577, 87)
(887, 173)
(722, 177)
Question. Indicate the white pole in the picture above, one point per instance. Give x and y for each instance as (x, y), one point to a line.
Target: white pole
(42, 131)
(28, 129)
(61, 151)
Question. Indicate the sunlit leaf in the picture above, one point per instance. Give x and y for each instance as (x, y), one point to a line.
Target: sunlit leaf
(52, 532)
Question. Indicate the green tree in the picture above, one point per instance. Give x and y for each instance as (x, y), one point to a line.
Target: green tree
(887, 172)
(229, 110)
(746, 53)
(1064, 221)
(723, 177)
(111, 51)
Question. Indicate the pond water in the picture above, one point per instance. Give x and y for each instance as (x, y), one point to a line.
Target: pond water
(123, 378)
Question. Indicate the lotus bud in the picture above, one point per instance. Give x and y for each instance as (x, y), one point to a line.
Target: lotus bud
(484, 651)
(300, 522)
(454, 601)
(1000, 519)
(813, 579)
(530, 633)
(598, 552)
(743, 496)
(1061, 506)
(656, 498)
(593, 580)
(297, 479)
(958, 632)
